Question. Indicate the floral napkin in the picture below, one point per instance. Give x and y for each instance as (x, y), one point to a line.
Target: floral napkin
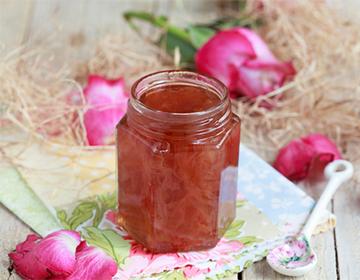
(80, 186)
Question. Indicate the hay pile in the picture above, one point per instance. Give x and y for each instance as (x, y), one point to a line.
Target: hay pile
(324, 96)
(34, 92)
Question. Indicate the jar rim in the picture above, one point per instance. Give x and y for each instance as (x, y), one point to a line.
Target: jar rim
(170, 76)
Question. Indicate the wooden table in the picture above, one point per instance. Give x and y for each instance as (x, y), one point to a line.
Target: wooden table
(20, 21)
(338, 250)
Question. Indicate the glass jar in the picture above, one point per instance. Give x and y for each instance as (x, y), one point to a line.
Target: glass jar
(177, 167)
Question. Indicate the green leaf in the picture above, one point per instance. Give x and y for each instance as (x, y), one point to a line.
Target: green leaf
(237, 224)
(187, 50)
(109, 241)
(99, 214)
(160, 21)
(173, 275)
(108, 201)
(234, 229)
(82, 213)
(227, 273)
(174, 36)
(240, 203)
(199, 35)
(104, 202)
(157, 21)
(62, 217)
(249, 240)
(247, 264)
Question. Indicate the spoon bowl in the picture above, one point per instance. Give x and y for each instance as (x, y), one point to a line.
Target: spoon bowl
(295, 257)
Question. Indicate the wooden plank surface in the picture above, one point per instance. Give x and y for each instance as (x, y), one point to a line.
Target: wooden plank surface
(14, 22)
(12, 231)
(347, 232)
(325, 270)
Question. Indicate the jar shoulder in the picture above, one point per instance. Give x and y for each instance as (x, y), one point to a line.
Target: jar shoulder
(164, 142)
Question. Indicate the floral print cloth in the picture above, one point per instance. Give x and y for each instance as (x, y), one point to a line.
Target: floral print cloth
(246, 236)
(269, 208)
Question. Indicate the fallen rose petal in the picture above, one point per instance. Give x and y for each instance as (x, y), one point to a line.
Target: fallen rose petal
(50, 258)
(322, 145)
(57, 251)
(326, 152)
(294, 159)
(92, 264)
(24, 261)
(107, 101)
(243, 62)
(306, 157)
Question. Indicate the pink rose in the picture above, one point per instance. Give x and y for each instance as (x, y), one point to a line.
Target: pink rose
(306, 156)
(107, 101)
(61, 255)
(242, 61)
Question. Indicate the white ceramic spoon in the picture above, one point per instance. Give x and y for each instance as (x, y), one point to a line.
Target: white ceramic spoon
(296, 257)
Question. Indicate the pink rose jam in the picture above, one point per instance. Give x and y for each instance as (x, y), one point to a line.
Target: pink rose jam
(178, 149)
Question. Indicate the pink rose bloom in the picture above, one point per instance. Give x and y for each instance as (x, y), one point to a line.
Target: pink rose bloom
(107, 101)
(61, 255)
(243, 62)
(306, 156)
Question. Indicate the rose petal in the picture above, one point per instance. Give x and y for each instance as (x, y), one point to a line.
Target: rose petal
(48, 258)
(294, 159)
(57, 251)
(285, 68)
(107, 100)
(322, 145)
(243, 62)
(92, 264)
(24, 261)
(306, 157)
(257, 82)
(262, 51)
(326, 153)
(224, 50)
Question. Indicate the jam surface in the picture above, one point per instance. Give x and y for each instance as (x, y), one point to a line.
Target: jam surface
(179, 99)
(177, 194)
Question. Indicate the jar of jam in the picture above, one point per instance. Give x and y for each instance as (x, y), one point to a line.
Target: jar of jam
(178, 149)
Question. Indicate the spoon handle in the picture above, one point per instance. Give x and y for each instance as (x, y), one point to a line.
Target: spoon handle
(337, 172)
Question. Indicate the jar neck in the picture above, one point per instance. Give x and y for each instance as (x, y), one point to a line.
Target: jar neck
(197, 124)
(179, 126)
